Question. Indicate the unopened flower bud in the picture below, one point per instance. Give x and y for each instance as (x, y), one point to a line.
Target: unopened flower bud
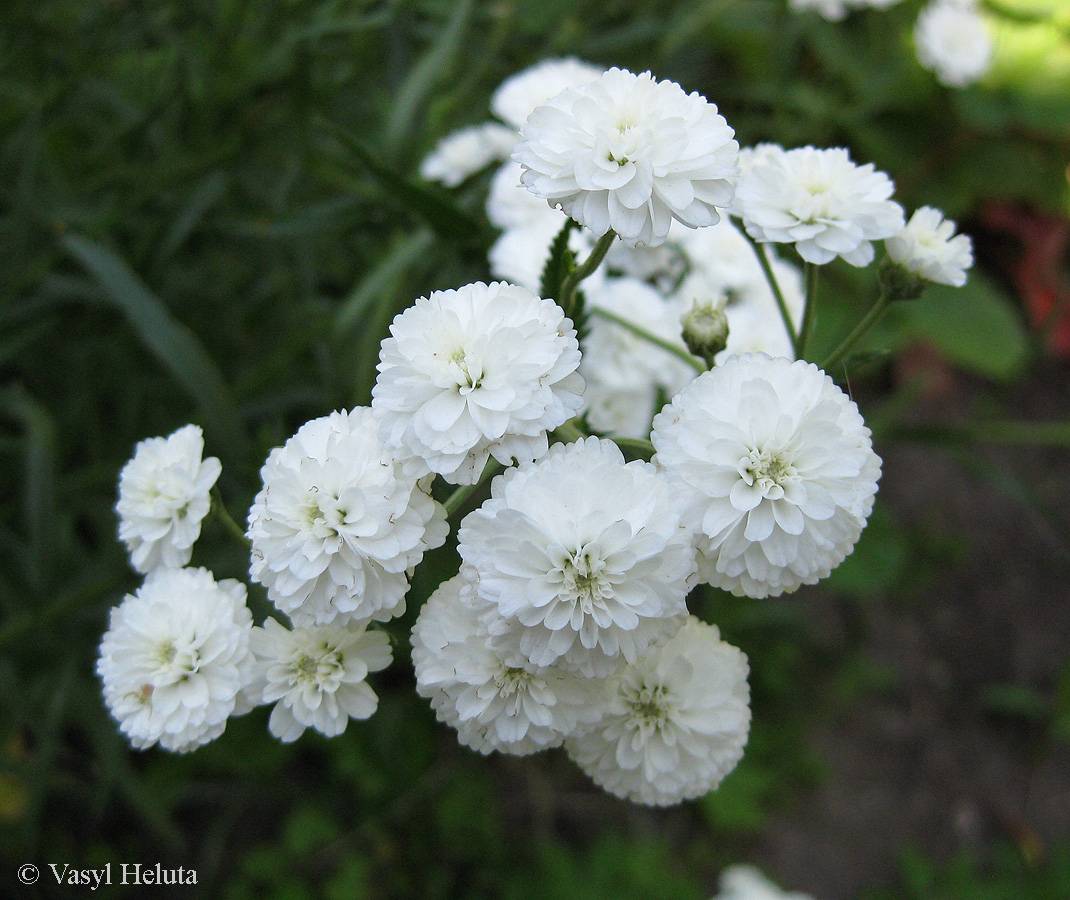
(705, 329)
(898, 282)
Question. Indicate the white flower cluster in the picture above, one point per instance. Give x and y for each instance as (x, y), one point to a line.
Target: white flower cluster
(567, 624)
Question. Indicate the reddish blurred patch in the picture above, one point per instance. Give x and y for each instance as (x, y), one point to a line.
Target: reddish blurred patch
(1041, 269)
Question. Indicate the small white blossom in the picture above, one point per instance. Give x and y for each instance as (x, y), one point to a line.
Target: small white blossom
(584, 556)
(519, 94)
(780, 469)
(676, 723)
(461, 154)
(952, 40)
(337, 524)
(929, 247)
(515, 709)
(819, 201)
(315, 676)
(470, 373)
(163, 496)
(630, 154)
(747, 883)
(176, 658)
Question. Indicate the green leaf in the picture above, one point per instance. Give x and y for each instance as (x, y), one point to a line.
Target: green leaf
(378, 282)
(975, 326)
(203, 198)
(559, 264)
(39, 480)
(432, 69)
(173, 344)
(448, 220)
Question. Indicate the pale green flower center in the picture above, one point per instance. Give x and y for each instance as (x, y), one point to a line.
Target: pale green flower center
(771, 471)
(318, 667)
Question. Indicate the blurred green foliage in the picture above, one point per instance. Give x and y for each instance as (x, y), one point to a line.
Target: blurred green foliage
(209, 213)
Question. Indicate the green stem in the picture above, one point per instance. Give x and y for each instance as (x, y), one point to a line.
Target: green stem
(464, 491)
(864, 324)
(774, 285)
(639, 331)
(585, 269)
(220, 511)
(809, 310)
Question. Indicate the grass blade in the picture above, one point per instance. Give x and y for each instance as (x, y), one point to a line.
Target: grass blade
(173, 344)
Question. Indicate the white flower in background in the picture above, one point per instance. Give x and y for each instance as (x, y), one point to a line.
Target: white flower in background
(510, 205)
(619, 362)
(747, 883)
(952, 41)
(583, 555)
(676, 723)
(630, 154)
(462, 153)
(833, 10)
(163, 496)
(929, 247)
(337, 524)
(836, 10)
(316, 676)
(819, 201)
(519, 94)
(779, 467)
(515, 709)
(470, 373)
(176, 658)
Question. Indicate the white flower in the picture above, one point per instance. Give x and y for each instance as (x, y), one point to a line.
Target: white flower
(676, 724)
(835, 10)
(747, 883)
(316, 676)
(630, 154)
(494, 706)
(519, 94)
(952, 41)
(463, 153)
(584, 557)
(509, 205)
(176, 657)
(820, 201)
(469, 373)
(337, 524)
(780, 467)
(163, 496)
(928, 246)
(619, 362)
